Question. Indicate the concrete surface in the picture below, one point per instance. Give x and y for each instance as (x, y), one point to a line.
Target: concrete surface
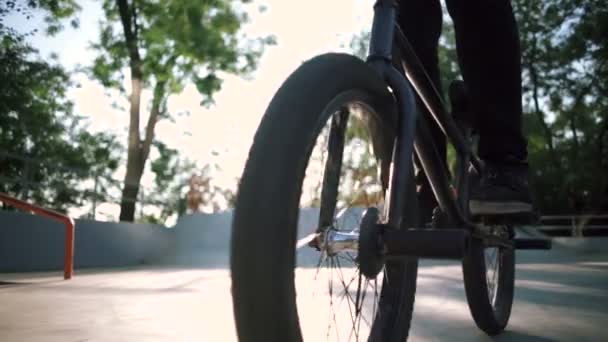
(561, 295)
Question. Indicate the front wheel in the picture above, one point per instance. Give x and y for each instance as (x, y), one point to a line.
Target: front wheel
(320, 157)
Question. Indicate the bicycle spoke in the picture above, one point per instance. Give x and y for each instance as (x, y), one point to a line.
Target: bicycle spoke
(342, 276)
(347, 293)
(330, 301)
(488, 283)
(321, 259)
(493, 289)
(332, 313)
(340, 186)
(492, 259)
(362, 317)
(348, 260)
(357, 308)
(376, 297)
(352, 259)
(496, 272)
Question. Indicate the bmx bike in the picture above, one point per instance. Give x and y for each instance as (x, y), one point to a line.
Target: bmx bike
(321, 125)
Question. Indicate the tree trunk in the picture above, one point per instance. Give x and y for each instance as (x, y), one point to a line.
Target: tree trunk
(602, 165)
(541, 117)
(134, 156)
(574, 137)
(135, 160)
(138, 155)
(539, 113)
(130, 191)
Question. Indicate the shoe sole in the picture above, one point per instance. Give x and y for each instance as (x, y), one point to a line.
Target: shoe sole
(499, 208)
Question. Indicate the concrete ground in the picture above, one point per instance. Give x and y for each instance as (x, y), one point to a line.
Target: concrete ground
(561, 295)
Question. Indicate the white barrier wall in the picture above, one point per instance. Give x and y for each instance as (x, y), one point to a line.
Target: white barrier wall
(34, 243)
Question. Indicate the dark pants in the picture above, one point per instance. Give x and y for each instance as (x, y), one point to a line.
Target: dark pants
(487, 42)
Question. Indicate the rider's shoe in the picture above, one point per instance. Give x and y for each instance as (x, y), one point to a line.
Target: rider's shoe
(502, 189)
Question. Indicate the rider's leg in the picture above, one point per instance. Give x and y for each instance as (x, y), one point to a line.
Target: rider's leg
(421, 22)
(489, 55)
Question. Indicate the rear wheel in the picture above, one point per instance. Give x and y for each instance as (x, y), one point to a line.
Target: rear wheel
(489, 279)
(488, 269)
(318, 163)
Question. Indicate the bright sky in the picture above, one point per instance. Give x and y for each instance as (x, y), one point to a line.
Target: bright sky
(303, 29)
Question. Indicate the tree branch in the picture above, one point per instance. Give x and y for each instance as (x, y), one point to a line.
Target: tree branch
(127, 18)
(577, 101)
(155, 112)
(539, 113)
(135, 26)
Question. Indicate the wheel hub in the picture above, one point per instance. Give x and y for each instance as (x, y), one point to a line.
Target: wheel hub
(338, 241)
(364, 240)
(371, 258)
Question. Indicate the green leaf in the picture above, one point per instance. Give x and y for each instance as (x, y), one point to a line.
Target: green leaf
(208, 85)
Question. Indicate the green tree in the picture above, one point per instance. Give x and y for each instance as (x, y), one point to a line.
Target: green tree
(164, 45)
(171, 174)
(564, 54)
(448, 61)
(45, 152)
(168, 196)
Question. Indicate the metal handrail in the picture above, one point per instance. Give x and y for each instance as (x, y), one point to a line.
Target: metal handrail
(577, 223)
(553, 217)
(68, 265)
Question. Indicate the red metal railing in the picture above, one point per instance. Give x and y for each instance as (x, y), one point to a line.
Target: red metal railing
(68, 268)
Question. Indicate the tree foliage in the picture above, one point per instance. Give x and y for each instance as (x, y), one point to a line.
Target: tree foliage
(171, 174)
(564, 57)
(165, 45)
(55, 12)
(172, 178)
(45, 152)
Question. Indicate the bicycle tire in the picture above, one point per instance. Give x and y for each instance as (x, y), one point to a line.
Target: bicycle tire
(491, 315)
(266, 211)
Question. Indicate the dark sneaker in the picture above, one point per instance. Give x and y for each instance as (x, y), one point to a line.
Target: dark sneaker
(503, 189)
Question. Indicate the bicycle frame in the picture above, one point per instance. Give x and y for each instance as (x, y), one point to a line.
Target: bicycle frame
(413, 129)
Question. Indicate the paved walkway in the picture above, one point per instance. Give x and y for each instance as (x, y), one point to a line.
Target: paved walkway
(561, 295)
